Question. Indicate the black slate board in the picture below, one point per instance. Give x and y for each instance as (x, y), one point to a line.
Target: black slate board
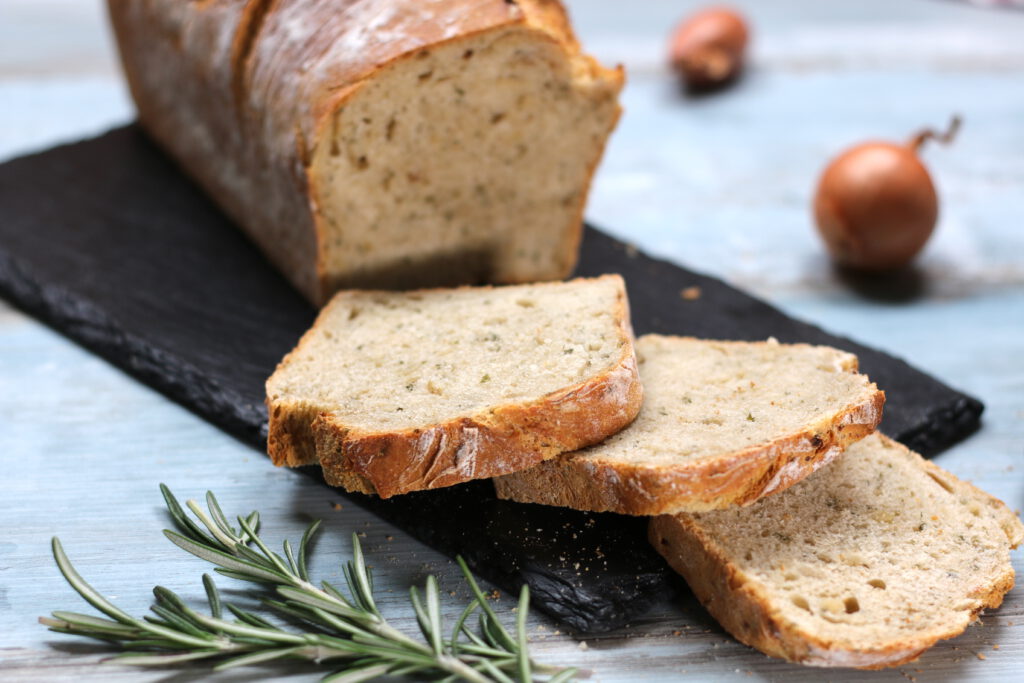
(110, 244)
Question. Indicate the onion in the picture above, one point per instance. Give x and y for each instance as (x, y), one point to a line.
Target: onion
(876, 205)
(707, 47)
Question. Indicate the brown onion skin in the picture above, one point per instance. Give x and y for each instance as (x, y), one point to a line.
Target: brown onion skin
(707, 47)
(876, 206)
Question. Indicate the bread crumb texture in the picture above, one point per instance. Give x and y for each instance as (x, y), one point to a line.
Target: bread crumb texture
(866, 563)
(471, 158)
(429, 388)
(722, 422)
(387, 360)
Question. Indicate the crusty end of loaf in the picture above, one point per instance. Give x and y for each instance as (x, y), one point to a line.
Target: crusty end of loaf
(754, 616)
(707, 484)
(506, 439)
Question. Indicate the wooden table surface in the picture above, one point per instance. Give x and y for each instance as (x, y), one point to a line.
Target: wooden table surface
(719, 183)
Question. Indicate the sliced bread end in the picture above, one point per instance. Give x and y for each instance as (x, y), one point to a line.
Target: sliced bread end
(865, 564)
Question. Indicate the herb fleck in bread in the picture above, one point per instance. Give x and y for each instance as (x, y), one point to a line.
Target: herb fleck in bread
(865, 564)
(396, 392)
(379, 143)
(723, 423)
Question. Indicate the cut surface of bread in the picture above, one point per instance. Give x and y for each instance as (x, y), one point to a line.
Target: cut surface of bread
(866, 563)
(394, 392)
(402, 190)
(722, 423)
(379, 143)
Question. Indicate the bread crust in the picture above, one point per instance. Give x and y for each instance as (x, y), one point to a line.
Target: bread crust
(747, 611)
(507, 439)
(738, 478)
(241, 93)
(484, 444)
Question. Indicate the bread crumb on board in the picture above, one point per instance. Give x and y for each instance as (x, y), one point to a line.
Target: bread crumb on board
(690, 293)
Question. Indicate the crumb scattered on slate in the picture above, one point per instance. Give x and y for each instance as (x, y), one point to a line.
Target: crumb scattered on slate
(690, 293)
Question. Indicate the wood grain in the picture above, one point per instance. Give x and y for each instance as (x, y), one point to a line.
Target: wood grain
(699, 181)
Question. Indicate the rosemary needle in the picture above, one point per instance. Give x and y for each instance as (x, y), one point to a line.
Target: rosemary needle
(346, 632)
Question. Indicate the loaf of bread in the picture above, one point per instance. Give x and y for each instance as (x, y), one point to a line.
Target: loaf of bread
(723, 423)
(866, 563)
(395, 392)
(379, 143)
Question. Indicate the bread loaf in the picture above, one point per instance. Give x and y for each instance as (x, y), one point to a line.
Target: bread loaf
(866, 563)
(395, 392)
(379, 143)
(723, 423)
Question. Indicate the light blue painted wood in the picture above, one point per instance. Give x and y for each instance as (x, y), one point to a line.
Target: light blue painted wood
(719, 183)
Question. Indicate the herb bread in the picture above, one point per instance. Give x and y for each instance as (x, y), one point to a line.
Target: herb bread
(723, 423)
(395, 392)
(866, 563)
(379, 143)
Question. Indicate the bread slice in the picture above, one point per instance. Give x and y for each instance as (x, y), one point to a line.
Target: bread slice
(723, 423)
(380, 143)
(396, 392)
(865, 564)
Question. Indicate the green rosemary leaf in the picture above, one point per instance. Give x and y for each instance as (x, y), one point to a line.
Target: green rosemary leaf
(254, 523)
(212, 596)
(304, 548)
(500, 635)
(89, 621)
(359, 578)
(367, 672)
(313, 600)
(176, 622)
(251, 658)
(433, 599)
(218, 515)
(91, 595)
(489, 652)
(420, 611)
(243, 576)
(182, 521)
(494, 672)
(460, 624)
(334, 592)
(273, 558)
(148, 659)
(261, 632)
(226, 540)
(244, 552)
(523, 663)
(248, 617)
(222, 559)
(564, 676)
(292, 566)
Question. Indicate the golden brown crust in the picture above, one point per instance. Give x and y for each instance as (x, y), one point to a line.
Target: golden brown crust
(710, 483)
(503, 439)
(748, 612)
(506, 439)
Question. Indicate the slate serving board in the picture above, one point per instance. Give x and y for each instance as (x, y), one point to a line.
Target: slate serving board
(110, 244)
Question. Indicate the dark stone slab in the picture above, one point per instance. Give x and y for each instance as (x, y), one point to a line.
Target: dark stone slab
(110, 244)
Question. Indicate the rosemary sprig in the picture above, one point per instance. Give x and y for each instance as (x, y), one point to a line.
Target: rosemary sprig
(346, 631)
